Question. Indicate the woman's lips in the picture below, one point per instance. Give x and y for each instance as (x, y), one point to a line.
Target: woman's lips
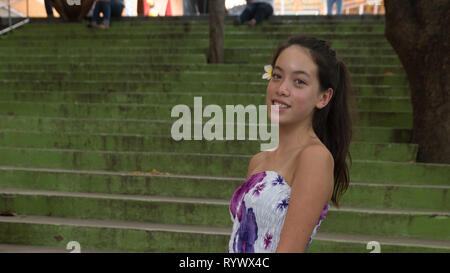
(281, 108)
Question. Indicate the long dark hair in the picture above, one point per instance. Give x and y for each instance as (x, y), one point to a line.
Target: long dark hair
(333, 123)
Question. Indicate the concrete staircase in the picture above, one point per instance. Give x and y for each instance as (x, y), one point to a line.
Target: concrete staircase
(86, 153)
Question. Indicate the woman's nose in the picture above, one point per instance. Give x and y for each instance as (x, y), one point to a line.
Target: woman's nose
(283, 89)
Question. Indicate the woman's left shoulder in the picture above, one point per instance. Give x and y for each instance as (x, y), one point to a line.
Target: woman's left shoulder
(315, 154)
(315, 149)
(314, 169)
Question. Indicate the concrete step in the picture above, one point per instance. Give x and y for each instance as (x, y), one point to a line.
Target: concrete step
(364, 103)
(161, 127)
(196, 76)
(379, 60)
(333, 243)
(183, 58)
(134, 50)
(175, 43)
(232, 34)
(121, 27)
(137, 67)
(113, 235)
(423, 197)
(349, 55)
(230, 165)
(162, 112)
(187, 86)
(146, 237)
(165, 143)
(366, 19)
(383, 196)
(429, 225)
(12, 248)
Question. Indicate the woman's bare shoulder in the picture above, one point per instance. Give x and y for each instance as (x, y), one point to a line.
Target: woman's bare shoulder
(316, 155)
(314, 149)
(255, 162)
(259, 156)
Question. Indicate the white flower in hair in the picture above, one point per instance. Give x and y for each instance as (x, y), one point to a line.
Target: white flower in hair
(268, 74)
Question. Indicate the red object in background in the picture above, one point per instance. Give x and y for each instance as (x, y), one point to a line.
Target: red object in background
(168, 9)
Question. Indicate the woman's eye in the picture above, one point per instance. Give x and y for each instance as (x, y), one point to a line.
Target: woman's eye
(276, 76)
(299, 82)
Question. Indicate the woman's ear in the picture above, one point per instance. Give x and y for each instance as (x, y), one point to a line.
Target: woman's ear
(325, 98)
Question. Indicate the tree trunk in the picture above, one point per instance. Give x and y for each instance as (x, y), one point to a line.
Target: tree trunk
(216, 31)
(418, 30)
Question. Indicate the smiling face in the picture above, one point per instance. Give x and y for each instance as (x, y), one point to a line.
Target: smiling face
(295, 87)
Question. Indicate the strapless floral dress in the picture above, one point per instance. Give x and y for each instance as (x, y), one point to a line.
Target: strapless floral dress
(258, 209)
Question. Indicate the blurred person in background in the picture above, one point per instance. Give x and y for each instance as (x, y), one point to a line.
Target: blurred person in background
(109, 8)
(49, 8)
(255, 12)
(193, 7)
(330, 4)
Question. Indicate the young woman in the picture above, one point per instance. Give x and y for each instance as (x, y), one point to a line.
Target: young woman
(286, 194)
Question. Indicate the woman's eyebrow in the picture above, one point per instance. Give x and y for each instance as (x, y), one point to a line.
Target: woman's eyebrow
(302, 72)
(295, 72)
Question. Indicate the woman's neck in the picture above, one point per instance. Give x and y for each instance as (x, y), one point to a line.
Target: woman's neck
(292, 137)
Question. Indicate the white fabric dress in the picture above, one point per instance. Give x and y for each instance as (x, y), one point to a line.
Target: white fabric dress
(258, 209)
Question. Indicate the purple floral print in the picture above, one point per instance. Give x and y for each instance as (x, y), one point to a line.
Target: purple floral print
(247, 232)
(267, 240)
(278, 181)
(283, 204)
(259, 188)
(239, 194)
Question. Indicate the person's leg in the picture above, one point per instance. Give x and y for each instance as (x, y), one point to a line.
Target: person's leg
(105, 8)
(330, 6)
(96, 13)
(116, 9)
(262, 11)
(49, 8)
(203, 6)
(106, 13)
(248, 13)
(189, 8)
(339, 6)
